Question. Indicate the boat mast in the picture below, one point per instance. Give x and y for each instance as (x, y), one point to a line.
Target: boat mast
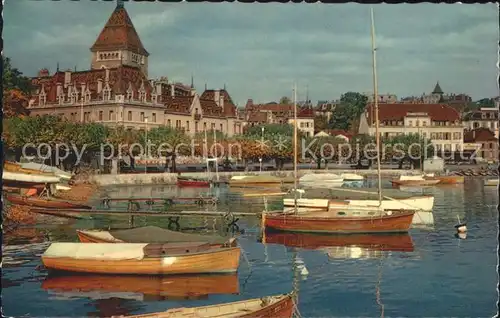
(295, 145)
(375, 98)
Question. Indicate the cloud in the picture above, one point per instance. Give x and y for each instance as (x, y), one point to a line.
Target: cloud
(260, 50)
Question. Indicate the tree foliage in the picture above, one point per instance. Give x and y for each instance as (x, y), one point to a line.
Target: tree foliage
(285, 100)
(16, 90)
(349, 110)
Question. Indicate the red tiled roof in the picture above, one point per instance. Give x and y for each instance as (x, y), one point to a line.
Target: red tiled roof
(119, 80)
(229, 107)
(437, 112)
(119, 33)
(257, 117)
(479, 135)
(178, 104)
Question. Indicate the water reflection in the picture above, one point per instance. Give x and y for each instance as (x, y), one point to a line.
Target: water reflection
(141, 288)
(344, 246)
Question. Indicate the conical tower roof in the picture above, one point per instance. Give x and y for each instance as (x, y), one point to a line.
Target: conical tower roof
(437, 89)
(119, 33)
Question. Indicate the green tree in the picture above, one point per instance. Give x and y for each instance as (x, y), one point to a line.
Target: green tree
(12, 78)
(402, 147)
(485, 102)
(349, 110)
(169, 142)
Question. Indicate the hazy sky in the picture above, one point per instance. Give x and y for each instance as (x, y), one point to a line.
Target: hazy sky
(259, 50)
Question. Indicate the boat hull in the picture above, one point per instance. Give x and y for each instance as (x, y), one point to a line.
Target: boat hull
(193, 183)
(41, 203)
(282, 307)
(448, 179)
(395, 223)
(213, 260)
(415, 182)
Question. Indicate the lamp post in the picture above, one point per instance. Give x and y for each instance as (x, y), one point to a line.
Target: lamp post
(262, 145)
(146, 138)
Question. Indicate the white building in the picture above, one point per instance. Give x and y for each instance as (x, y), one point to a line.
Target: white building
(439, 122)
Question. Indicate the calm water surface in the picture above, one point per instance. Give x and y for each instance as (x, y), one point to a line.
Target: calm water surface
(435, 274)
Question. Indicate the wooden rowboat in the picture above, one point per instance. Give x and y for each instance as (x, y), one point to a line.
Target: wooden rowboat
(141, 259)
(192, 182)
(380, 242)
(45, 203)
(422, 182)
(339, 222)
(279, 306)
(447, 179)
(150, 234)
(150, 287)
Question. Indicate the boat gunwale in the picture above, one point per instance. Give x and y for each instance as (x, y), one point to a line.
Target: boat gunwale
(281, 214)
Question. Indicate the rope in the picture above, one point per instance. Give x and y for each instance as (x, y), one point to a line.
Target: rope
(296, 312)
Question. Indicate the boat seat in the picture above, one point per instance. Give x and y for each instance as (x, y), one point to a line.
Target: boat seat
(159, 250)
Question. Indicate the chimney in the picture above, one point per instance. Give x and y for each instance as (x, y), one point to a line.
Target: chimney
(67, 78)
(217, 97)
(99, 85)
(83, 89)
(106, 77)
(249, 103)
(221, 100)
(172, 90)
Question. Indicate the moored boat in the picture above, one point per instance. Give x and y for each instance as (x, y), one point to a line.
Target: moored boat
(338, 221)
(414, 181)
(338, 198)
(241, 181)
(150, 234)
(279, 306)
(148, 287)
(352, 177)
(47, 169)
(141, 258)
(45, 203)
(192, 182)
(447, 179)
(491, 182)
(321, 180)
(23, 180)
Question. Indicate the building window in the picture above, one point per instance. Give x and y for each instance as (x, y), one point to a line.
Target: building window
(410, 123)
(142, 117)
(457, 136)
(204, 126)
(153, 119)
(187, 125)
(169, 124)
(111, 115)
(100, 115)
(221, 129)
(213, 126)
(129, 116)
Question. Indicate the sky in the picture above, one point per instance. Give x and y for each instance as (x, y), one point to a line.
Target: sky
(260, 50)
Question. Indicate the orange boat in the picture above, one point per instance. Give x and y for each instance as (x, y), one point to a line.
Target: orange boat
(45, 203)
(141, 259)
(380, 242)
(150, 234)
(447, 179)
(279, 306)
(339, 222)
(151, 287)
(423, 182)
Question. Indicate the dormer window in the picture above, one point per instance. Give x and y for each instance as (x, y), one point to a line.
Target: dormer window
(129, 95)
(154, 98)
(87, 96)
(106, 93)
(142, 96)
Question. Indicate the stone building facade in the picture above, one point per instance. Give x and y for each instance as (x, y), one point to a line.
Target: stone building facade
(116, 89)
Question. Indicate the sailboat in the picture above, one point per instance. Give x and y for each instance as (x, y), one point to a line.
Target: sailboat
(342, 219)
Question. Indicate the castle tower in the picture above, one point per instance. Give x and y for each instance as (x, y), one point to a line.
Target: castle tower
(119, 44)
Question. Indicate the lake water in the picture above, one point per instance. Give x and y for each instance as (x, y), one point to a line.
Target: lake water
(428, 273)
